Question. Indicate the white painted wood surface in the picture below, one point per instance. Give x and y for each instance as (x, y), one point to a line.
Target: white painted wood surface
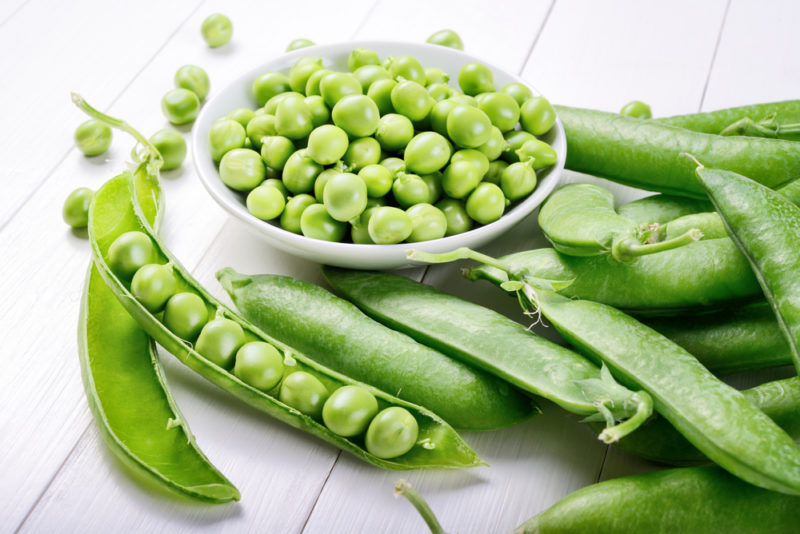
(55, 473)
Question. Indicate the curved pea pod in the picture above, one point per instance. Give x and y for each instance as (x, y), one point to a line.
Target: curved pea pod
(660, 209)
(115, 211)
(312, 319)
(771, 119)
(128, 394)
(579, 220)
(701, 276)
(729, 341)
(658, 441)
(649, 155)
(492, 342)
(765, 225)
(691, 499)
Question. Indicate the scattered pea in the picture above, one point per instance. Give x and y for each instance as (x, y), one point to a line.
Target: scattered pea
(194, 79)
(93, 137)
(180, 106)
(76, 207)
(299, 43)
(217, 30)
(172, 147)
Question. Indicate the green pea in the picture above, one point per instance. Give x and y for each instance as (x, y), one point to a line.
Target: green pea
(242, 169)
(299, 43)
(317, 223)
(427, 221)
(312, 85)
(460, 178)
(408, 68)
(337, 85)
(185, 315)
(392, 433)
(359, 231)
(129, 252)
(517, 180)
(93, 137)
(473, 156)
(434, 183)
(345, 196)
(389, 225)
(304, 392)
(153, 285)
(217, 30)
(268, 85)
(486, 203)
(276, 151)
(446, 38)
(518, 92)
(409, 98)
(439, 91)
(277, 183)
(514, 141)
(194, 79)
(369, 74)
(265, 202)
(394, 131)
(464, 100)
(349, 410)
(259, 127)
(76, 207)
(439, 113)
(357, 115)
(377, 178)
(321, 182)
(537, 116)
(327, 144)
(259, 364)
(293, 118)
(457, 219)
(427, 152)
(180, 106)
(636, 109)
(468, 127)
(301, 71)
(539, 153)
(475, 78)
(320, 114)
(362, 152)
(300, 172)
(219, 340)
(380, 91)
(435, 75)
(242, 115)
(223, 136)
(172, 147)
(410, 189)
(494, 147)
(394, 164)
(271, 107)
(360, 57)
(501, 109)
(295, 206)
(496, 169)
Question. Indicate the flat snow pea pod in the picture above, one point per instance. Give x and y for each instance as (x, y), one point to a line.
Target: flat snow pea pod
(649, 155)
(712, 416)
(579, 220)
(692, 499)
(312, 319)
(121, 370)
(658, 441)
(701, 276)
(729, 341)
(765, 225)
(771, 119)
(660, 209)
(492, 342)
(115, 211)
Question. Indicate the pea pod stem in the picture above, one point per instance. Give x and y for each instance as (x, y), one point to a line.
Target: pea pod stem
(628, 249)
(402, 487)
(462, 253)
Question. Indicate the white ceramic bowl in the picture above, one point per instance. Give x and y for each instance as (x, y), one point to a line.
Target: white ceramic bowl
(238, 94)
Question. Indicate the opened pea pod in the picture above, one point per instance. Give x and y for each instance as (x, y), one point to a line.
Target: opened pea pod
(580, 220)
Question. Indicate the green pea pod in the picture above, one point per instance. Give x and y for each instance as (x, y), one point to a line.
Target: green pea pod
(490, 341)
(312, 319)
(772, 119)
(701, 276)
(709, 224)
(115, 211)
(658, 441)
(713, 416)
(729, 341)
(649, 155)
(660, 209)
(692, 499)
(126, 388)
(765, 225)
(579, 220)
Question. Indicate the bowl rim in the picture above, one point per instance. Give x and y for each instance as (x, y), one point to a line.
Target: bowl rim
(292, 241)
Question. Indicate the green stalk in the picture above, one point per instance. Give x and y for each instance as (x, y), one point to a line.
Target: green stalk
(628, 249)
(402, 487)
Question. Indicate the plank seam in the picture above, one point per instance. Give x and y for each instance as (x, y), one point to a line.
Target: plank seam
(321, 488)
(714, 55)
(13, 13)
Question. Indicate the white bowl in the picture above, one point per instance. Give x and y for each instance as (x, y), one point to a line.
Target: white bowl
(238, 94)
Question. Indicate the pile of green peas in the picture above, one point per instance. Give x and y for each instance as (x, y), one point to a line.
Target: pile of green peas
(350, 411)
(386, 153)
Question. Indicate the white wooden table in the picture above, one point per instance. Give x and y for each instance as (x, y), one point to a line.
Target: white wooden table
(55, 472)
